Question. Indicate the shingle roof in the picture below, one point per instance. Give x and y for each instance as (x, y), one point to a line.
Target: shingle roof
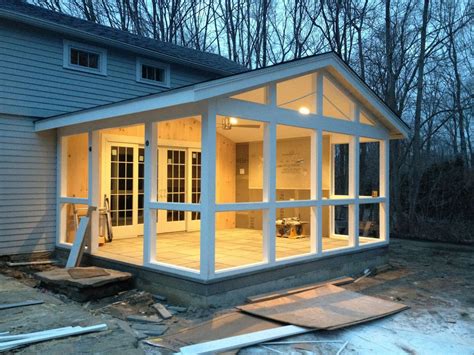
(212, 62)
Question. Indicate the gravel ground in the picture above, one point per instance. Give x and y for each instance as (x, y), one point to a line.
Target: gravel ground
(436, 280)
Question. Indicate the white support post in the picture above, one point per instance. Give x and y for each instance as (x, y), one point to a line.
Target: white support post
(384, 209)
(316, 190)
(354, 155)
(61, 188)
(269, 192)
(150, 186)
(319, 94)
(94, 190)
(271, 95)
(208, 192)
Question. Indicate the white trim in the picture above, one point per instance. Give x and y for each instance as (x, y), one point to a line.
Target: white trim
(101, 52)
(153, 63)
(149, 194)
(208, 193)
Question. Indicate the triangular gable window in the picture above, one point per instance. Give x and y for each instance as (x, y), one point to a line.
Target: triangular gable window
(336, 104)
(258, 96)
(364, 118)
(298, 94)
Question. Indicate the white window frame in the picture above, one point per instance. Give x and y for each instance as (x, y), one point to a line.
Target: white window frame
(152, 63)
(102, 52)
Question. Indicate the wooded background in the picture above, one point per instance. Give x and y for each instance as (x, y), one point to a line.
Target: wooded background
(417, 55)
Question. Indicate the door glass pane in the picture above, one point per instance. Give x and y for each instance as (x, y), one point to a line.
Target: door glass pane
(176, 182)
(141, 183)
(121, 182)
(195, 182)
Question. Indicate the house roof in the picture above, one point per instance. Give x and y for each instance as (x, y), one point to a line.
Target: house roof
(232, 84)
(21, 11)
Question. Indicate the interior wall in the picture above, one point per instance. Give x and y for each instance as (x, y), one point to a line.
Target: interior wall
(77, 165)
(225, 179)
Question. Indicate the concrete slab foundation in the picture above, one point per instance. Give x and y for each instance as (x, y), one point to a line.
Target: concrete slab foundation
(235, 289)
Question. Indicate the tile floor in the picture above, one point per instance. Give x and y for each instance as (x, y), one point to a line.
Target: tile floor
(234, 247)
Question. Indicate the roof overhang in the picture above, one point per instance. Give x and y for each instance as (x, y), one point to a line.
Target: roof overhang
(48, 25)
(235, 83)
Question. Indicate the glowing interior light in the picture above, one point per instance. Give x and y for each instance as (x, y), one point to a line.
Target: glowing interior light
(304, 110)
(233, 120)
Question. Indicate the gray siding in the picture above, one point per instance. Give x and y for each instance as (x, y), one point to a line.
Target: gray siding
(27, 187)
(34, 83)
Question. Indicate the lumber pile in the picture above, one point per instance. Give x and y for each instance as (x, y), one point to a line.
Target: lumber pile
(322, 306)
(9, 342)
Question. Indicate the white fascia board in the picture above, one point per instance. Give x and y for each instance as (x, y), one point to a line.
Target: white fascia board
(138, 105)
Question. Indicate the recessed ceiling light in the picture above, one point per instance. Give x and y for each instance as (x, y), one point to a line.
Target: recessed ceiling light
(233, 120)
(304, 110)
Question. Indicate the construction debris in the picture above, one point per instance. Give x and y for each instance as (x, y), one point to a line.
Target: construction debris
(144, 319)
(31, 263)
(230, 324)
(162, 311)
(240, 341)
(10, 342)
(271, 295)
(85, 289)
(87, 272)
(150, 329)
(327, 307)
(20, 304)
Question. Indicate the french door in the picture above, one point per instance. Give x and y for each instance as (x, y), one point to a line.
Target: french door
(179, 180)
(124, 188)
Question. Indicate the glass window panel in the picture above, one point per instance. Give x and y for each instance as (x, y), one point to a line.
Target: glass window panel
(369, 223)
(298, 94)
(293, 163)
(369, 168)
(258, 96)
(75, 177)
(239, 160)
(293, 231)
(336, 104)
(335, 227)
(364, 118)
(341, 169)
(239, 238)
(180, 247)
(71, 214)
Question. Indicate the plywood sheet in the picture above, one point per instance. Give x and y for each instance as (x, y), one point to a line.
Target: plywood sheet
(289, 291)
(231, 324)
(327, 307)
(86, 272)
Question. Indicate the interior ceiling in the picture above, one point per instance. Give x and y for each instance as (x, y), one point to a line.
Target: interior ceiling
(241, 135)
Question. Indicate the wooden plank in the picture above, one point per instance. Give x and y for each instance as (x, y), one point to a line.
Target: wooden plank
(240, 341)
(326, 307)
(162, 311)
(20, 304)
(53, 334)
(227, 325)
(271, 295)
(78, 246)
(26, 263)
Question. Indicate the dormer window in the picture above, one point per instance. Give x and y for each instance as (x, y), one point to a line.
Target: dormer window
(154, 73)
(82, 57)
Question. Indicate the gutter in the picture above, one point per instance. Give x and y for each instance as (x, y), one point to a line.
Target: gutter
(107, 41)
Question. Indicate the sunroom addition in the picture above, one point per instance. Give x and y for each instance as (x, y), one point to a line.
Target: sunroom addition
(244, 173)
